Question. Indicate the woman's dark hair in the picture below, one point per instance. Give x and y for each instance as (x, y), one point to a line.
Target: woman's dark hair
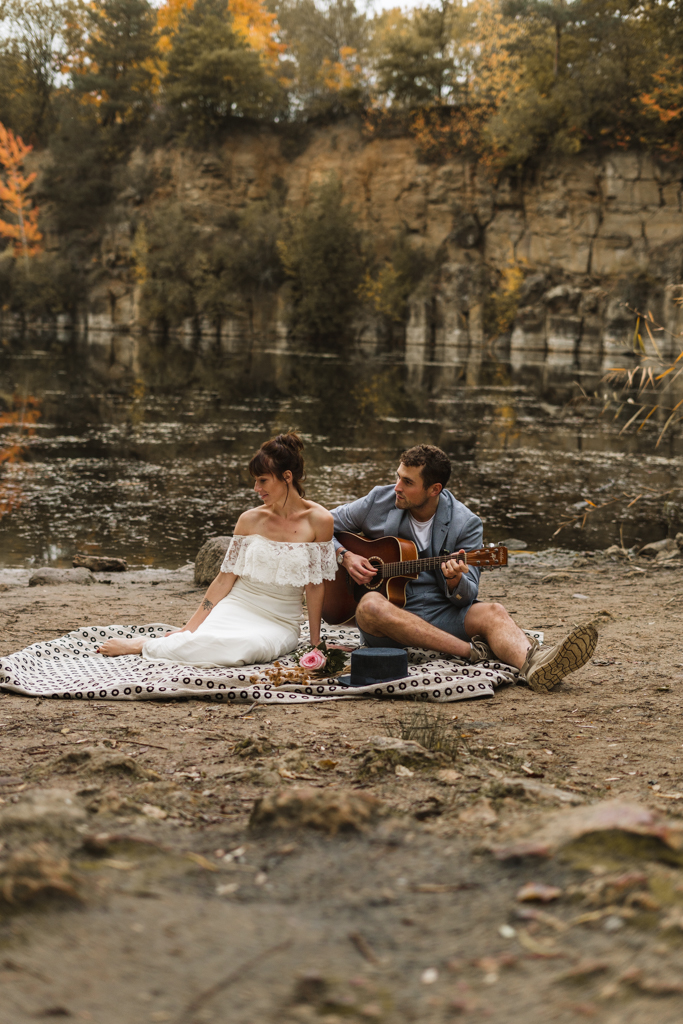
(278, 455)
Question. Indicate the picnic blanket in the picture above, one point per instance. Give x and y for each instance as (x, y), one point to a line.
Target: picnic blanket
(68, 668)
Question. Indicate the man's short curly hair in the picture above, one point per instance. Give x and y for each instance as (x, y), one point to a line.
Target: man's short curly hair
(435, 464)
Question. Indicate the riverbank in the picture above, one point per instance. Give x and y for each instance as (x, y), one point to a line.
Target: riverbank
(407, 920)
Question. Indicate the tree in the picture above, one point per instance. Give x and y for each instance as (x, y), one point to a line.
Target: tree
(555, 13)
(322, 255)
(251, 19)
(416, 55)
(32, 54)
(23, 228)
(118, 68)
(326, 53)
(213, 73)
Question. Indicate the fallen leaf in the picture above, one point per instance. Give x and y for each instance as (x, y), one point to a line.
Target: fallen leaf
(539, 948)
(228, 889)
(152, 811)
(538, 891)
(202, 862)
(584, 969)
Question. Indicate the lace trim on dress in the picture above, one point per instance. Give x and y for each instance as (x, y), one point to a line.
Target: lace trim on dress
(280, 562)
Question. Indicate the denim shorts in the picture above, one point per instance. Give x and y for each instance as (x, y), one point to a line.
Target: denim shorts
(456, 627)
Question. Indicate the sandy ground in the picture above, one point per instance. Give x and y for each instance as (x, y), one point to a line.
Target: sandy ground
(137, 914)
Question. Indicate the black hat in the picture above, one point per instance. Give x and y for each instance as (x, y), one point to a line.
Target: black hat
(376, 665)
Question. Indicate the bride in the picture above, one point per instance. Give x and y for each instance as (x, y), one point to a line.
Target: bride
(253, 609)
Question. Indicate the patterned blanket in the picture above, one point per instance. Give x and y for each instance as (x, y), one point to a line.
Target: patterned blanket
(69, 668)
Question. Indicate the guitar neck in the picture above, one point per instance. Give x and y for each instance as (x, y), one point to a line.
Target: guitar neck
(424, 564)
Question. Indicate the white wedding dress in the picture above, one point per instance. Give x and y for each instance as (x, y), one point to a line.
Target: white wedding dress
(260, 618)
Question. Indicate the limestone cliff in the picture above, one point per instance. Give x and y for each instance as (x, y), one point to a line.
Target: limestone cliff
(578, 238)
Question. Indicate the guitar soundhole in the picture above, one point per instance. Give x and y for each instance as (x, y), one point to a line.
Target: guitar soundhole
(376, 582)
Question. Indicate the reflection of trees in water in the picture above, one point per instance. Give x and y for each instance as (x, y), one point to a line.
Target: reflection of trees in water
(20, 422)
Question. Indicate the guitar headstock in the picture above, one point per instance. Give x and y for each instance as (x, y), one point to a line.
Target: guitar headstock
(488, 558)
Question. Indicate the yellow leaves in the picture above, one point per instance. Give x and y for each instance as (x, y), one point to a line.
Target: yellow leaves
(383, 291)
(259, 27)
(342, 74)
(665, 101)
(23, 229)
(252, 21)
(139, 252)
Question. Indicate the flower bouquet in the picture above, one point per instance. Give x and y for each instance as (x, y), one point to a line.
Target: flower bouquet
(322, 660)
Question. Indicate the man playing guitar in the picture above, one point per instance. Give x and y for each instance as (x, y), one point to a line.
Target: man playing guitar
(441, 610)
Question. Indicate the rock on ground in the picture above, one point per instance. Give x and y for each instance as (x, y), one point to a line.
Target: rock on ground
(209, 560)
(55, 577)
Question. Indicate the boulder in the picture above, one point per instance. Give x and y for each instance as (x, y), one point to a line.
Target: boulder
(56, 577)
(209, 560)
(100, 563)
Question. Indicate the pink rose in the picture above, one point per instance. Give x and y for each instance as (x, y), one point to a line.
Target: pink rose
(312, 661)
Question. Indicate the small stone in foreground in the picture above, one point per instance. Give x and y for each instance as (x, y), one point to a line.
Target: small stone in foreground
(326, 810)
(56, 577)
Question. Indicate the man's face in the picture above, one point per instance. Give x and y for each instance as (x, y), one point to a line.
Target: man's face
(410, 490)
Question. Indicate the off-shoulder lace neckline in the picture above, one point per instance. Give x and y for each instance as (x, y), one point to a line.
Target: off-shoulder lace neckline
(296, 543)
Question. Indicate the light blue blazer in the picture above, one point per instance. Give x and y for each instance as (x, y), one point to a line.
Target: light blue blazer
(455, 527)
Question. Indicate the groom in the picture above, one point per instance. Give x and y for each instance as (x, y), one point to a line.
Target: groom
(441, 611)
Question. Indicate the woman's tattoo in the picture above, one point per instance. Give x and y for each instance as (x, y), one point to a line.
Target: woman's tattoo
(207, 605)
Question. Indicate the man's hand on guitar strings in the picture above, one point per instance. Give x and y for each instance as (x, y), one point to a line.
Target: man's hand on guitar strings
(359, 569)
(454, 568)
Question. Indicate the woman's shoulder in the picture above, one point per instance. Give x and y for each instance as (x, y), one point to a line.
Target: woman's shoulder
(321, 520)
(248, 522)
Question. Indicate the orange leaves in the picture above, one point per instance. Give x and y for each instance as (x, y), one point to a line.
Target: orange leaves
(341, 74)
(13, 196)
(665, 100)
(251, 20)
(258, 26)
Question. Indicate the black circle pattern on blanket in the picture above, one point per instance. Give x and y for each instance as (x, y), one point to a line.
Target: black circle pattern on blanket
(69, 668)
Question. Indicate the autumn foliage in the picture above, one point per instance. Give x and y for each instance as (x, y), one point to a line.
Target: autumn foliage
(251, 20)
(14, 187)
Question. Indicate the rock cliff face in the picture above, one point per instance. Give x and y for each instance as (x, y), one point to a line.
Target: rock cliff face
(568, 247)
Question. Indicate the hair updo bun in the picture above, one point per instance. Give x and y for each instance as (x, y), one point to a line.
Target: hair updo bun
(277, 456)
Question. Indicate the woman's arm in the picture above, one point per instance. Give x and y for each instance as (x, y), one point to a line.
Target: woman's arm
(314, 602)
(315, 592)
(219, 589)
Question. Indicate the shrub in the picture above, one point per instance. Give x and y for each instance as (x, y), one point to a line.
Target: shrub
(42, 286)
(321, 250)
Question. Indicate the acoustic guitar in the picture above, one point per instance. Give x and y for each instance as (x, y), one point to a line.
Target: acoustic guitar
(397, 562)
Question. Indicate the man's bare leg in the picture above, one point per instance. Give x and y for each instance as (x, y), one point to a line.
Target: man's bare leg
(499, 630)
(379, 617)
(112, 648)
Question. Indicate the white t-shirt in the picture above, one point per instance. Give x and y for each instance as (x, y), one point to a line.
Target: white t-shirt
(423, 532)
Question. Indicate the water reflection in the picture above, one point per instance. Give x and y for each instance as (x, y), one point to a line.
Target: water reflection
(137, 448)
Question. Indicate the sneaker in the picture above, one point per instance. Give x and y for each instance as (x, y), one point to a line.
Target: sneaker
(480, 650)
(544, 667)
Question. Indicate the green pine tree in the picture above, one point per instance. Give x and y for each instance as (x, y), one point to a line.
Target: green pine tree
(120, 52)
(213, 74)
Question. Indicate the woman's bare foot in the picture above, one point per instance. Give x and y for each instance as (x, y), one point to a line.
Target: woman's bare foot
(112, 648)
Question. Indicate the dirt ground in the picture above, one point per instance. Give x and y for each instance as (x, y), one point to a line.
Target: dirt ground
(135, 889)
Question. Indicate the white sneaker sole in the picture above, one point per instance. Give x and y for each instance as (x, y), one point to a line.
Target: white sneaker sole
(570, 654)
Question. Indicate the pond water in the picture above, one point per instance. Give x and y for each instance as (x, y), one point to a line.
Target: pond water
(126, 446)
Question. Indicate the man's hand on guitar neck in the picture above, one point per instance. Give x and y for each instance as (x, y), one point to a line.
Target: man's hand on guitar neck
(359, 569)
(454, 568)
